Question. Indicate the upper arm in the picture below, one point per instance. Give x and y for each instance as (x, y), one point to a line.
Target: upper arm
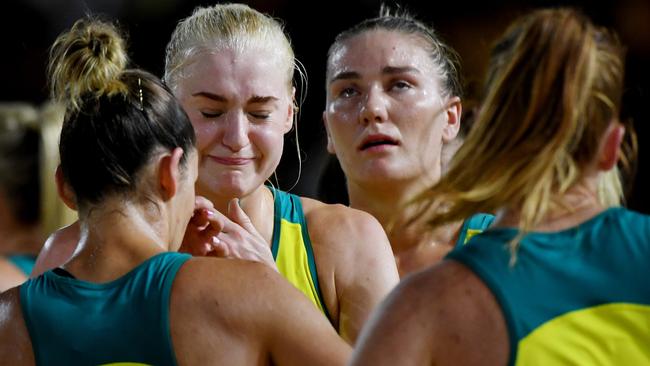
(57, 250)
(364, 265)
(15, 344)
(249, 315)
(296, 332)
(442, 316)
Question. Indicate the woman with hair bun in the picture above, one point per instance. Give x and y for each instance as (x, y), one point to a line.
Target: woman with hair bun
(128, 166)
(559, 278)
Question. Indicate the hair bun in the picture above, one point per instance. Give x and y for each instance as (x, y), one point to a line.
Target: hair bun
(87, 61)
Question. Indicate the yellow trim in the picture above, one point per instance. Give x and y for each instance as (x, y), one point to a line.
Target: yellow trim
(470, 233)
(293, 263)
(611, 334)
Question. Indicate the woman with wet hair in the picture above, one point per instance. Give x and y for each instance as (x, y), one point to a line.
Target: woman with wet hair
(393, 105)
(559, 278)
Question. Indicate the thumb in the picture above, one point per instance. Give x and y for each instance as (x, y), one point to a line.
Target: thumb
(238, 216)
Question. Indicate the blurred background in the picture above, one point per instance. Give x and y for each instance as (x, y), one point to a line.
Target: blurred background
(28, 27)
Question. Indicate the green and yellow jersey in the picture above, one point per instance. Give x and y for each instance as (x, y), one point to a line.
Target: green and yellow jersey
(292, 249)
(122, 322)
(580, 296)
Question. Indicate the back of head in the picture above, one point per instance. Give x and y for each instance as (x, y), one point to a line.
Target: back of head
(554, 86)
(225, 26)
(445, 59)
(116, 119)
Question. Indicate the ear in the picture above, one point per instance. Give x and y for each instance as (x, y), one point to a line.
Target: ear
(291, 111)
(330, 144)
(610, 146)
(453, 111)
(169, 173)
(64, 190)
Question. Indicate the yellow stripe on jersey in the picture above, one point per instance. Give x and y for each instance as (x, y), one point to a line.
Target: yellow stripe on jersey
(610, 334)
(293, 263)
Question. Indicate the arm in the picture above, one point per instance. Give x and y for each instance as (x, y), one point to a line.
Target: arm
(15, 345)
(363, 264)
(296, 332)
(444, 316)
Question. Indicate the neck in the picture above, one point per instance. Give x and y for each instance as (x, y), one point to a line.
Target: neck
(577, 205)
(117, 237)
(258, 206)
(389, 204)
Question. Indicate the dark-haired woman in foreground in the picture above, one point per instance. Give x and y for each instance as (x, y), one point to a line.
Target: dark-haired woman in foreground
(129, 165)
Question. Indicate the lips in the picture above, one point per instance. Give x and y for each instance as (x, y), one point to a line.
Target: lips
(377, 140)
(229, 160)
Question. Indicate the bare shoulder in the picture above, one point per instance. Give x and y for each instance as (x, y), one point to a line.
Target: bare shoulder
(58, 248)
(444, 315)
(15, 344)
(341, 224)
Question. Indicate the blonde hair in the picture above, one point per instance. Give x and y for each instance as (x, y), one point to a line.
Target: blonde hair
(554, 86)
(225, 26)
(116, 118)
(236, 27)
(46, 121)
(87, 61)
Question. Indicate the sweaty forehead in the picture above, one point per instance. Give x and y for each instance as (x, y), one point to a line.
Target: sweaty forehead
(259, 71)
(373, 50)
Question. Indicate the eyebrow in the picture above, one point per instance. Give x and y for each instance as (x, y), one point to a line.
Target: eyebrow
(216, 97)
(346, 75)
(221, 98)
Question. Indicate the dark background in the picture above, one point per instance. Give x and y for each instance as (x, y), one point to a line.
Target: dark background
(28, 27)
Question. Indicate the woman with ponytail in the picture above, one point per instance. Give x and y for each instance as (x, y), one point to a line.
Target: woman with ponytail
(128, 166)
(559, 278)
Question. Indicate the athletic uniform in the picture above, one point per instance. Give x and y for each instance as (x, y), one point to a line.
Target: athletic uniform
(74, 322)
(476, 224)
(291, 247)
(24, 262)
(580, 296)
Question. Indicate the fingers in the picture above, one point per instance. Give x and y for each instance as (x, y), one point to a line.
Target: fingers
(238, 216)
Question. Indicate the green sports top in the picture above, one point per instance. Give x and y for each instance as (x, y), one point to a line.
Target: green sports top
(473, 225)
(125, 321)
(291, 247)
(580, 296)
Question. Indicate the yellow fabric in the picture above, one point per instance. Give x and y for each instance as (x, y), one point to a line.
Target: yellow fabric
(470, 234)
(293, 263)
(611, 334)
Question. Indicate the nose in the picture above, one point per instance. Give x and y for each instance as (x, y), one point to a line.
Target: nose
(374, 107)
(235, 136)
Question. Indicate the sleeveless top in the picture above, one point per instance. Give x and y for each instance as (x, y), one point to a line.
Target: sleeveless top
(475, 224)
(580, 296)
(74, 322)
(291, 247)
(24, 262)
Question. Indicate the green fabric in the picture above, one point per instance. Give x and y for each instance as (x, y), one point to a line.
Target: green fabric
(288, 206)
(24, 262)
(73, 322)
(477, 222)
(601, 261)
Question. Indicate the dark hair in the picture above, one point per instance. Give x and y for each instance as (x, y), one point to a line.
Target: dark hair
(116, 119)
(19, 171)
(443, 56)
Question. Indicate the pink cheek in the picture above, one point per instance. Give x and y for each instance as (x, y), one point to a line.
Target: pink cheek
(205, 135)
